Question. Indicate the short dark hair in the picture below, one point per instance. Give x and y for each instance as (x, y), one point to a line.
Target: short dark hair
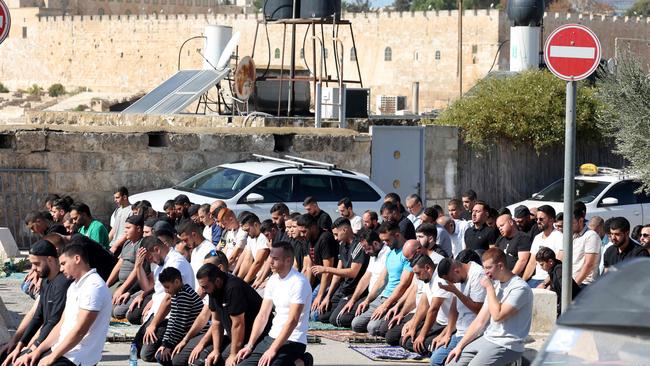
(210, 271)
(267, 226)
(422, 260)
(280, 207)
(428, 230)
(368, 235)
(455, 202)
(35, 215)
(389, 206)
(393, 197)
(169, 274)
(63, 203)
(182, 199)
(306, 220)
(470, 194)
(493, 213)
(341, 221)
(219, 257)
(144, 204)
(150, 242)
(76, 249)
(250, 219)
(439, 208)
(559, 216)
(122, 191)
(445, 265)
(80, 207)
(373, 215)
(431, 212)
(388, 227)
(544, 254)
(619, 223)
(468, 255)
(414, 196)
(205, 208)
(137, 220)
(286, 247)
(188, 227)
(168, 204)
(548, 210)
(51, 198)
(242, 215)
(346, 202)
(486, 207)
(309, 200)
(579, 210)
(504, 211)
(294, 216)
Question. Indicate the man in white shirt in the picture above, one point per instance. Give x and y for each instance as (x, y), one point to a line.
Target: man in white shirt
(233, 239)
(191, 234)
(586, 250)
(289, 293)
(78, 338)
(257, 249)
(345, 210)
(507, 313)
(415, 208)
(118, 219)
(548, 237)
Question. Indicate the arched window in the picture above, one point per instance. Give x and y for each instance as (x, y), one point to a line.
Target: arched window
(353, 54)
(437, 55)
(388, 54)
(277, 53)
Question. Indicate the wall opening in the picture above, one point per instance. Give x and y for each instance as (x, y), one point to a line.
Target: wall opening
(158, 139)
(7, 141)
(283, 143)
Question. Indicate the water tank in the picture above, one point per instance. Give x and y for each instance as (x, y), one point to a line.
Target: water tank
(321, 9)
(216, 39)
(279, 9)
(526, 13)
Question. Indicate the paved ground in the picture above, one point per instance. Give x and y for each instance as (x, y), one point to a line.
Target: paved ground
(326, 353)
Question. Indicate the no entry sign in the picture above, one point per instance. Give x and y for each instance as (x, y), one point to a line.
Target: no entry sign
(5, 21)
(572, 52)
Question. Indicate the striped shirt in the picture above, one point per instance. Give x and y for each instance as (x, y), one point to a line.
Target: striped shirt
(185, 307)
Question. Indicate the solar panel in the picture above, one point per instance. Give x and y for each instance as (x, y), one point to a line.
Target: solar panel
(177, 92)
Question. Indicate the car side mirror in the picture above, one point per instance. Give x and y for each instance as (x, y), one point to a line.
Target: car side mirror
(254, 197)
(534, 195)
(610, 201)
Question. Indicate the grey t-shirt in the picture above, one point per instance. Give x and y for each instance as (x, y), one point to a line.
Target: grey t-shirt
(511, 333)
(444, 240)
(128, 255)
(118, 221)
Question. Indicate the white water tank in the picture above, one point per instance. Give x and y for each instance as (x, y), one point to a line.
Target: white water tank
(216, 39)
(524, 48)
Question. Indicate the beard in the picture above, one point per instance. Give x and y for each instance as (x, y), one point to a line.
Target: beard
(45, 273)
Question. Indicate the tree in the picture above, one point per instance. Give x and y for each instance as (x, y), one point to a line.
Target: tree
(423, 5)
(640, 8)
(626, 112)
(356, 6)
(528, 108)
(402, 5)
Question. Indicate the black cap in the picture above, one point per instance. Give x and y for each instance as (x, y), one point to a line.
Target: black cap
(162, 227)
(43, 248)
(137, 220)
(444, 267)
(193, 210)
(521, 211)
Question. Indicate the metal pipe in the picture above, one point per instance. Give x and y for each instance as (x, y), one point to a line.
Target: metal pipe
(460, 48)
(416, 97)
(569, 191)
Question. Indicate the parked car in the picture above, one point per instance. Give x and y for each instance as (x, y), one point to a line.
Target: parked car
(607, 324)
(606, 192)
(255, 185)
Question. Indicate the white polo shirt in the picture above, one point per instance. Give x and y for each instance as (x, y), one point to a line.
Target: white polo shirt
(254, 245)
(176, 260)
(292, 289)
(88, 293)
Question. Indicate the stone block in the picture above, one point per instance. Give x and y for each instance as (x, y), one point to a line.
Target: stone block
(193, 162)
(30, 141)
(8, 247)
(544, 311)
(69, 141)
(184, 142)
(123, 142)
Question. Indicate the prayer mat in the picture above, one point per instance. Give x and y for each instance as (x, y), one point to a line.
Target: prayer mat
(314, 325)
(389, 353)
(119, 331)
(346, 335)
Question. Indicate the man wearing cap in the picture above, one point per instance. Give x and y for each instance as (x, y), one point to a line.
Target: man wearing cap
(49, 307)
(192, 236)
(124, 274)
(79, 336)
(524, 221)
(465, 285)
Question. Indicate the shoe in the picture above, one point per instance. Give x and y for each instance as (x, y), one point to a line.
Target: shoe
(308, 359)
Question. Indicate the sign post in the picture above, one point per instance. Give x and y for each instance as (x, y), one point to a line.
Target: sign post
(572, 53)
(5, 21)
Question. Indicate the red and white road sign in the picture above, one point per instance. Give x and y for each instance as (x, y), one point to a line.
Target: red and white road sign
(5, 21)
(572, 52)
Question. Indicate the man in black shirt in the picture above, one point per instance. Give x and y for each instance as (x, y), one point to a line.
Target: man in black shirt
(353, 262)
(234, 305)
(99, 257)
(390, 212)
(323, 251)
(479, 236)
(469, 200)
(279, 214)
(546, 259)
(515, 243)
(41, 224)
(49, 308)
(322, 218)
(525, 223)
(623, 247)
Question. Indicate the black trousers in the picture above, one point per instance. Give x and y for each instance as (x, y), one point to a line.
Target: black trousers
(394, 335)
(147, 352)
(344, 319)
(286, 356)
(183, 357)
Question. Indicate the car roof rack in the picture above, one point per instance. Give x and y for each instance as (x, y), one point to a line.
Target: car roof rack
(313, 162)
(295, 164)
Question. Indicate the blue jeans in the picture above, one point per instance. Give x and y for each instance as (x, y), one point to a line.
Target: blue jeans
(439, 355)
(313, 315)
(534, 283)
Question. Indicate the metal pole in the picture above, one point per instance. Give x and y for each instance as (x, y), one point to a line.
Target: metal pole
(416, 97)
(319, 103)
(569, 163)
(343, 123)
(460, 48)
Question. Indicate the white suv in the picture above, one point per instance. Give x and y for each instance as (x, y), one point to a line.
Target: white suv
(606, 192)
(255, 185)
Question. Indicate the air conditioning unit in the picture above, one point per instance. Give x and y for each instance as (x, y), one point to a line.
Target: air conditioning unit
(390, 104)
(356, 103)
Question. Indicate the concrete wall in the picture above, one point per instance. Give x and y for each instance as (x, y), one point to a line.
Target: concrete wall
(441, 164)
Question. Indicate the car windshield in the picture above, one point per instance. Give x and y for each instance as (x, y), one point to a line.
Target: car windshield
(218, 182)
(586, 191)
(575, 346)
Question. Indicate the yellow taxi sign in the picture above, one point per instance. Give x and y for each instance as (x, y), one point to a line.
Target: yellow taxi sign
(588, 169)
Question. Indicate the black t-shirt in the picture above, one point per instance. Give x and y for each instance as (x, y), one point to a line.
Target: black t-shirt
(466, 215)
(324, 220)
(531, 229)
(235, 298)
(281, 235)
(49, 310)
(99, 257)
(520, 242)
(613, 256)
(480, 239)
(300, 250)
(348, 254)
(406, 228)
(56, 228)
(555, 274)
(324, 247)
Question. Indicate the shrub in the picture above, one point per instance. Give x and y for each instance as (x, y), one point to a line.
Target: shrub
(35, 90)
(56, 90)
(81, 108)
(3, 88)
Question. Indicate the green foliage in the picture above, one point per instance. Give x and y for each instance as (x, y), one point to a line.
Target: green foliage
(35, 90)
(56, 90)
(640, 8)
(81, 108)
(356, 6)
(422, 5)
(402, 5)
(3, 88)
(626, 112)
(528, 108)
(258, 4)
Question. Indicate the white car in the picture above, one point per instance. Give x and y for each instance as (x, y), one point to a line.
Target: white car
(256, 185)
(606, 193)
